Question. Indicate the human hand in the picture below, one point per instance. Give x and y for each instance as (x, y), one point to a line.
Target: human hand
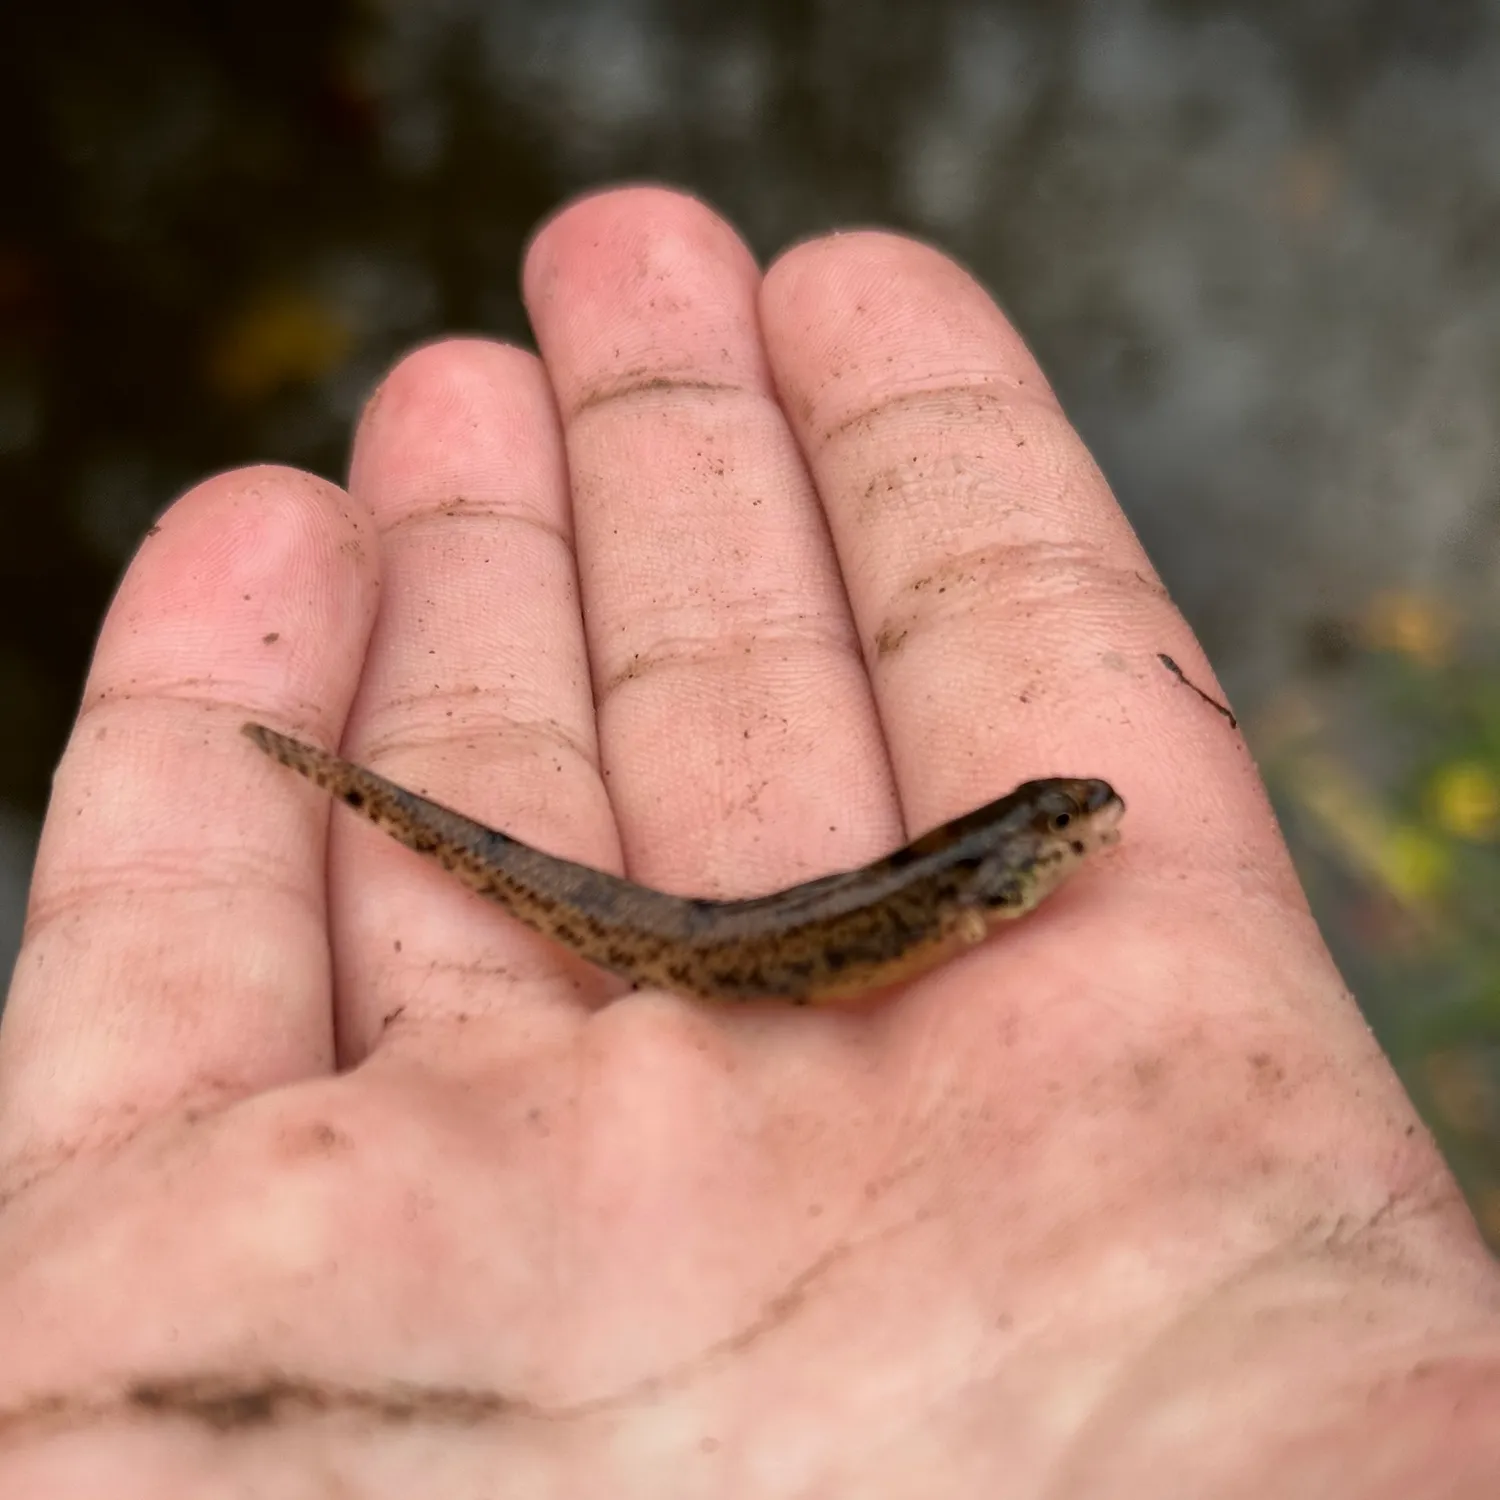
(325, 1176)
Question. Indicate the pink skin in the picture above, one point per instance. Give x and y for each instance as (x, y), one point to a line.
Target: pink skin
(745, 579)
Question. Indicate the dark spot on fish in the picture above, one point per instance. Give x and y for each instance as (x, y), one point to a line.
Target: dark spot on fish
(355, 798)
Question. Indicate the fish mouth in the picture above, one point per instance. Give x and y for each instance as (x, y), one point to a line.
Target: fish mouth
(1104, 821)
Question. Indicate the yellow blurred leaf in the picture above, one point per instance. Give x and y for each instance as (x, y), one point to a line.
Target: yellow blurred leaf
(1413, 624)
(1465, 800)
(1413, 864)
(280, 338)
(1409, 863)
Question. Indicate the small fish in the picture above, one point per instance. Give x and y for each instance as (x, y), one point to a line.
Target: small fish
(827, 939)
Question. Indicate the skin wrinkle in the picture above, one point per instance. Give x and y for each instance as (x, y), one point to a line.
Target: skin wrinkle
(963, 490)
(180, 691)
(1374, 1243)
(416, 518)
(224, 1404)
(1126, 1376)
(447, 702)
(743, 615)
(1366, 1241)
(526, 978)
(544, 972)
(937, 486)
(632, 383)
(998, 563)
(708, 651)
(950, 405)
(1014, 578)
(959, 487)
(214, 870)
(1293, 1244)
(33, 1168)
(112, 1131)
(529, 738)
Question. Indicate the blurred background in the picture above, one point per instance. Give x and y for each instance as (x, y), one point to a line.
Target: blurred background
(1256, 246)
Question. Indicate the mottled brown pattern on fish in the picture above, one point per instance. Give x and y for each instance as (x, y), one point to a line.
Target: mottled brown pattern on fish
(826, 939)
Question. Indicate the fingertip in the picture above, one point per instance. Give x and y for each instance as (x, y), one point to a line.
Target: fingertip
(454, 423)
(852, 315)
(257, 579)
(633, 249)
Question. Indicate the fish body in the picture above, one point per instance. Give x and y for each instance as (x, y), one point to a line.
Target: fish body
(827, 939)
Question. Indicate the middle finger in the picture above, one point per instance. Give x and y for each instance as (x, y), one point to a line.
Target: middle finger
(737, 732)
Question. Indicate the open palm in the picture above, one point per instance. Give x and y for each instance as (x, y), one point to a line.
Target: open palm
(321, 1176)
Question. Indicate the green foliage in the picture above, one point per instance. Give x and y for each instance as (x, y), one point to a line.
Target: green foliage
(1388, 778)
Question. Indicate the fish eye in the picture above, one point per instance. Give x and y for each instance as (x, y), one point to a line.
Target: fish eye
(1061, 812)
(1056, 811)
